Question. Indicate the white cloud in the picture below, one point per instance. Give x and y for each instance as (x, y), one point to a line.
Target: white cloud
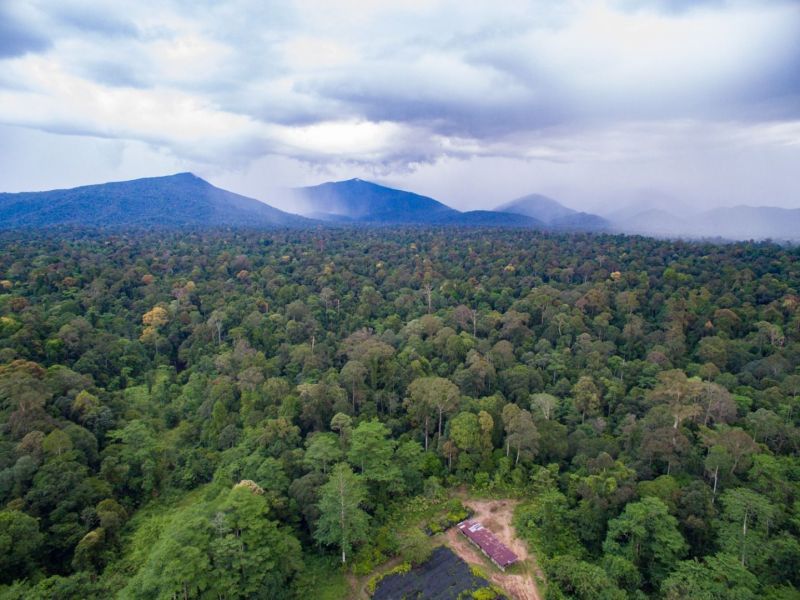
(394, 88)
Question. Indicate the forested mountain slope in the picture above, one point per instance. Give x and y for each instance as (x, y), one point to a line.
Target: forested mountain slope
(184, 415)
(174, 201)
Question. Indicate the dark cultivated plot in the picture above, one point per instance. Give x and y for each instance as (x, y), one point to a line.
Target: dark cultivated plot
(444, 576)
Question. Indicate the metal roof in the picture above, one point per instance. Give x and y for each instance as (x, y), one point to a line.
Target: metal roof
(486, 541)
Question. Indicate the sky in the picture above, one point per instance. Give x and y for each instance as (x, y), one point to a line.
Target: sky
(600, 104)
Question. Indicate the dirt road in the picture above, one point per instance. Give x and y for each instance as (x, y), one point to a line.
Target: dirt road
(497, 516)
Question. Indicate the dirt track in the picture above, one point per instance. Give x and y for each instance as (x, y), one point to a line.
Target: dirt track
(497, 516)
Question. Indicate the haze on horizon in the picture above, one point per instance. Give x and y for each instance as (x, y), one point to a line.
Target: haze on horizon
(596, 103)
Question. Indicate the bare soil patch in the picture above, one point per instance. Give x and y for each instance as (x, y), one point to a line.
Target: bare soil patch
(497, 515)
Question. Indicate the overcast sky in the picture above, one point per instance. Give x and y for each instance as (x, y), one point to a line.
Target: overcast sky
(597, 103)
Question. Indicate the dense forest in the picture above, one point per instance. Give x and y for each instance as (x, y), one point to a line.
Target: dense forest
(237, 414)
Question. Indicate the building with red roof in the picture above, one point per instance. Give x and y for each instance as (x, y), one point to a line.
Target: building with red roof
(487, 543)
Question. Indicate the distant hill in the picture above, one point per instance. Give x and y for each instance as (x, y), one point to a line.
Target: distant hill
(730, 223)
(174, 201)
(356, 200)
(654, 222)
(554, 215)
(623, 206)
(363, 202)
(580, 221)
(542, 208)
(750, 222)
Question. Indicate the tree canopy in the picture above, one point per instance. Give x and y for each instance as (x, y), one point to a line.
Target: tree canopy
(236, 413)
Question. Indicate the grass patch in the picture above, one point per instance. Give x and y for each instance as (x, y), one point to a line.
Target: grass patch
(414, 511)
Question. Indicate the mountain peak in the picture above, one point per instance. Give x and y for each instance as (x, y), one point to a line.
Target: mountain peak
(367, 202)
(355, 181)
(539, 207)
(184, 178)
(184, 175)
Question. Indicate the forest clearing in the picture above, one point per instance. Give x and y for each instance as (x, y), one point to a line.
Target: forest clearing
(519, 581)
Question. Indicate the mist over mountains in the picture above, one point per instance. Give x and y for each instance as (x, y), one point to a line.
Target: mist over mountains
(187, 201)
(554, 214)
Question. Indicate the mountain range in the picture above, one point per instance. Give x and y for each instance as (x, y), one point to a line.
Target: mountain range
(187, 201)
(359, 201)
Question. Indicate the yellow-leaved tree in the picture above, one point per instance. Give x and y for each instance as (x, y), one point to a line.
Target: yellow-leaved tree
(153, 320)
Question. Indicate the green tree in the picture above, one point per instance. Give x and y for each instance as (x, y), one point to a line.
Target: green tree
(720, 577)
(465, 431)
(746, 520)
(322, 451)
(251, 555)
(20, 541)
(521, 432)
(372, 452)
(228, 547)
(131, 462)
(353, 375)
(414, 546)
(343, 425)
(647, 535)
(586, 396)
(571, 578)
(717, 460)
(410, 458)
(342, 521)
(56, 443)
(546, 520)
(432, 394)
(544, 404)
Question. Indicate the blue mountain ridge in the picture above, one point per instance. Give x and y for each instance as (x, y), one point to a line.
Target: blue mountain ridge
(174, 201)
(187, 201)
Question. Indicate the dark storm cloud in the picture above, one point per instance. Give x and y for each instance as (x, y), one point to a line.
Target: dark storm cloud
(517, 76)
(442, 113)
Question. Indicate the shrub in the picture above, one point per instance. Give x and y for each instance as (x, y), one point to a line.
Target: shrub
(485, 593)
(367, 559)
(455, 513)
(477, 572)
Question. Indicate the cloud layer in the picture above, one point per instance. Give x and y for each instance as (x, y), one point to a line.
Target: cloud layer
(399, 89)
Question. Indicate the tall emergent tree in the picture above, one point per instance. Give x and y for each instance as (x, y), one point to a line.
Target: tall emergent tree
(427, 394)
(342, 521)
